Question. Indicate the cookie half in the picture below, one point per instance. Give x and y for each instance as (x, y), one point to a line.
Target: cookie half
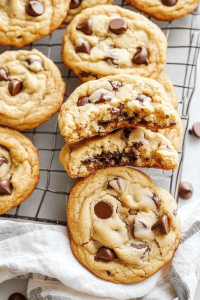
(24, 21)
(133, 147)
(100, 106)
(19, 168)
(108, 40)
(122, 226)
(31, 89)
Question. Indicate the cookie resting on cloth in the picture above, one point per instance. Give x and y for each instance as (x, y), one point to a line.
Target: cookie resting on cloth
(122, 226)
(19, 168)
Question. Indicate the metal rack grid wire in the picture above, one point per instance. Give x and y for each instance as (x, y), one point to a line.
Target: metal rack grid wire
(48, 201)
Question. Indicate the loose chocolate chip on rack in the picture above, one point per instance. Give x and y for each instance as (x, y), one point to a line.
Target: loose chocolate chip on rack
(17, 296)
(83, 101)
(103, 98)
(105, 254)
(103, 210)
(185, 190)
(15, 86)
(3, 75)
(162, 225)
(116, 183)
(117, 26)
(169, 2)
(141, 56)
(143, 98)
(74, 4)
(3, 161)
(34, 8)
(85, 27)
(85, 47)
(195, 129)
(5, 187)
(115, 85)
(156, 201)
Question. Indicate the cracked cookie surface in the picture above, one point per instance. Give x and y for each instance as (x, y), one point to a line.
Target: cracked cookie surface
(24, 21)
(166, 10)
(107, 40)
(31, 89)
(100, 106)
(19, 168)
(121, 225)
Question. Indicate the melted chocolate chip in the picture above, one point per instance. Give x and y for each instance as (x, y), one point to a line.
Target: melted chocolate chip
(34, 8)
(156, 201)
(17, 296)
(117, 26)
(111, 59)
(5, 187)
(74, 4)
(103, 98)
(103, 210)
(85, 27)
(83, 101)
(185, 190)
(3, 75)
(118, 181)
(116, 85)
(105, 254)
(140, 246)
(3, 161)
(195, 129)
(141, 56)
(85, 47)
(127, 132)
(143, 98)
(15, 86)
(115, 111)
(162, 225)
(32, 58)
(169, 2)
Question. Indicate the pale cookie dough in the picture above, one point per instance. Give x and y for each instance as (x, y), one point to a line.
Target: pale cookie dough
(19, 168)
(122, 226)
(165, 10)
(107, 40)
(24, 21)
(169, 88)
(31, 89)
(100, 106)
(76, 6)
(125, 147)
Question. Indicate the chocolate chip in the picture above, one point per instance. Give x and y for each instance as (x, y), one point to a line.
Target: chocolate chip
(169, 2)
(85, 47)
(115, 85)
(17, 296)
(105, 254)
(74, 4)
(83, 101)
(195, 129)
(140, 246)
(85, 27)
(103, 210)
(115, 111)
(111, 59)
(35, 63)
(3, 75)
(127, 132)
(143, 98)
(103, 98)
(116, 183)
(34, 8)
(185, 190)
(15, 86)
(141, 56)
(162, 225)
(3, 161)
(117, 26)
(156, 201)
(5, 187)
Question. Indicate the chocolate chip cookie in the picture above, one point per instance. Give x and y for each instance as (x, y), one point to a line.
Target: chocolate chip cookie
(24, 21)
(76, 6)
(19, 168)
(107, 40)
(169, 88)
(166, 10)
(122, 226)
(137, 147)
(101, 106)
(31, 89)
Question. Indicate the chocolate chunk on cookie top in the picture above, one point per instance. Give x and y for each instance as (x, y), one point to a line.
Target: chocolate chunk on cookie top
(121, 225)
(19, 168)
(101, 106)
(116, 41)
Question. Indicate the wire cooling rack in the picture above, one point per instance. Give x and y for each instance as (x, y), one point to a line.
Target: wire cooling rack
(48, 202)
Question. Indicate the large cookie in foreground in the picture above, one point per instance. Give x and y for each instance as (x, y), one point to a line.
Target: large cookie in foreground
(165, 10)
(101, 106)
(24, 21)
(107, 40)
(121, 225)
(31, 89)
(19, 168)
